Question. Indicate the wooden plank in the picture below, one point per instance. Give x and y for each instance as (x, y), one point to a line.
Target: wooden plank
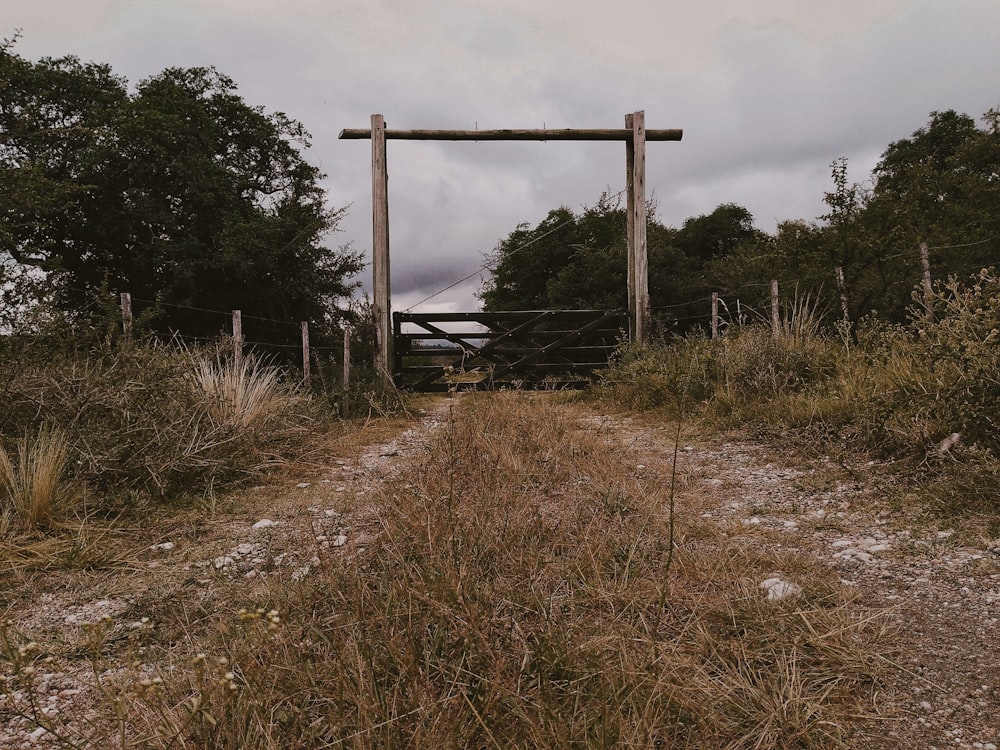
(535, 134)
(382, 306)
(405, 317)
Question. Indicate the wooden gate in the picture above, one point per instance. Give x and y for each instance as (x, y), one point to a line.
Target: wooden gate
(540, 349)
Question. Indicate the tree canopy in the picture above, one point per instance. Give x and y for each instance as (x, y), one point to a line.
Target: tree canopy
(178, 192)
(940, 186)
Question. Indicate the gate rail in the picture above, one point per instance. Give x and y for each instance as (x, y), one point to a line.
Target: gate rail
(535, 349)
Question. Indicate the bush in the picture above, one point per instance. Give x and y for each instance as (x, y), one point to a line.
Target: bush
(154, 419)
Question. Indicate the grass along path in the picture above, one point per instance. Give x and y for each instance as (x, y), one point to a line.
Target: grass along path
(498, 574)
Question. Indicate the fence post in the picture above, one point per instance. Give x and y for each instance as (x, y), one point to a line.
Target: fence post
(238, 338)
(126, 298)
(306, 374)
(715, 315)
(838, 273)
(775, 313)
(344, 404)
(925, 263)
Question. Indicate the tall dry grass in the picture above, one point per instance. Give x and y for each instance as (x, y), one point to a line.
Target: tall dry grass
(32, 485)
(519, 591)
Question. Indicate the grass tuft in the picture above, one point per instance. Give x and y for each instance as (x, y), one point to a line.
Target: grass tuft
(32, 486)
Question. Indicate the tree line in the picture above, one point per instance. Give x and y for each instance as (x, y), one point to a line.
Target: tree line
(940, 186)
(183, 194)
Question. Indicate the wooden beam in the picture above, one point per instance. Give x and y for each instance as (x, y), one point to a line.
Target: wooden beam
(382, 306)
(563, 134)
(638, 268)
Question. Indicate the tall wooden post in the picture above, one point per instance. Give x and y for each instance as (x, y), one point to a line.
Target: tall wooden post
(238, 338)
(635, 185)
(382, 307)
(306, 372)
(925, 264)
(775, 311)
(715, 315)
(126, 298)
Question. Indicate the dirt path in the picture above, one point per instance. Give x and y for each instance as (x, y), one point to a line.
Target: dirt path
(943, 590)
(943, 690)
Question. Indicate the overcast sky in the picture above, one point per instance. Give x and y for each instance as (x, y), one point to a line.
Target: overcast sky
(768, 92)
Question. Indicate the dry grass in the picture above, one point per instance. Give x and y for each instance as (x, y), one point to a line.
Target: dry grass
(521, 593)
(32, 486)
(247, 395)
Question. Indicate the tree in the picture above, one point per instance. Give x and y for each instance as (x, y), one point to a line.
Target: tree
(180, 193)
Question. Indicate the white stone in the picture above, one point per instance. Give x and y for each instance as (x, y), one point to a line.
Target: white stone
(165, 546)
(842, 543)
(265, 523)
(777, 588)
(881, 547)
(223, 561)
(244, 549)
(340, 541)
(303, 485)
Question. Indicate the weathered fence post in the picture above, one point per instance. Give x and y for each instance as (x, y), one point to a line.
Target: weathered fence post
(238, 338)
(126, 314)
(382, 306)
(635, 188)
(838, 273)
(925, 263)
(345, 401)
(715, 315)
(306, 373)
(775, 312)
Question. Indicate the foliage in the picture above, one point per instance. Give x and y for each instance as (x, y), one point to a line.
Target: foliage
(580, 261)
(153, 420)
(180, 193)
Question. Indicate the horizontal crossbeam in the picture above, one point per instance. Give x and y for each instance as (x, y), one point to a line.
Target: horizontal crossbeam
(543, 134)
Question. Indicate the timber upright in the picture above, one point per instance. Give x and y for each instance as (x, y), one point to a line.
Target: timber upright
(635, 136)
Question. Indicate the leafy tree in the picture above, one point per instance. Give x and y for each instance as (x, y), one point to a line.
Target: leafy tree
(179, 192)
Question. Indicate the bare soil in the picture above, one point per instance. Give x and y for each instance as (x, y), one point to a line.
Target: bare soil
(939, 582)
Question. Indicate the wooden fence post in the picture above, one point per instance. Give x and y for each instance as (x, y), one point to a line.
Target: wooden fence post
(347, 370)
(238, 338)
(775, 312)
(925, 263)
(306, 374)
(382, 305)
(126, 298)
(838, 273)
(715, 315)
(638, 267)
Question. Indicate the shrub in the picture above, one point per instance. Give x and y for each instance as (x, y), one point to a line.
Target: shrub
(154, 419)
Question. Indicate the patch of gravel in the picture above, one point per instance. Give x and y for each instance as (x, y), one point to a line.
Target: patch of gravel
(943, 689)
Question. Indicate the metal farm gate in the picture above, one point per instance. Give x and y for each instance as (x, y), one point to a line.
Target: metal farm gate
(540, 349)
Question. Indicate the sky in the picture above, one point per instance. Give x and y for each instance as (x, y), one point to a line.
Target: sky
(769, 93)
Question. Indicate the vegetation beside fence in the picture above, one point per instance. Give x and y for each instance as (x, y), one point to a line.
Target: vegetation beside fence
(926, 393)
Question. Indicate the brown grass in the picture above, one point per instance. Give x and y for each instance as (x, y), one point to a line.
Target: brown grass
(520, 593)
(32, 486)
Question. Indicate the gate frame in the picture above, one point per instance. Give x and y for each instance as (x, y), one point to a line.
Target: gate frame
(635, 136)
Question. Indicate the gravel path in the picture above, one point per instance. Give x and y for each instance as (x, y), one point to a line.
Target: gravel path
(941, 691)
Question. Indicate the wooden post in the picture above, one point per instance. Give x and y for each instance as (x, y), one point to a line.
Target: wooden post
(925, 263)
(126, 298)
(715, 315)
(306, 373)
(838, 272)
(775, 312)
(345, 399)
(382, 306)
(635, 185)
(238, 338)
